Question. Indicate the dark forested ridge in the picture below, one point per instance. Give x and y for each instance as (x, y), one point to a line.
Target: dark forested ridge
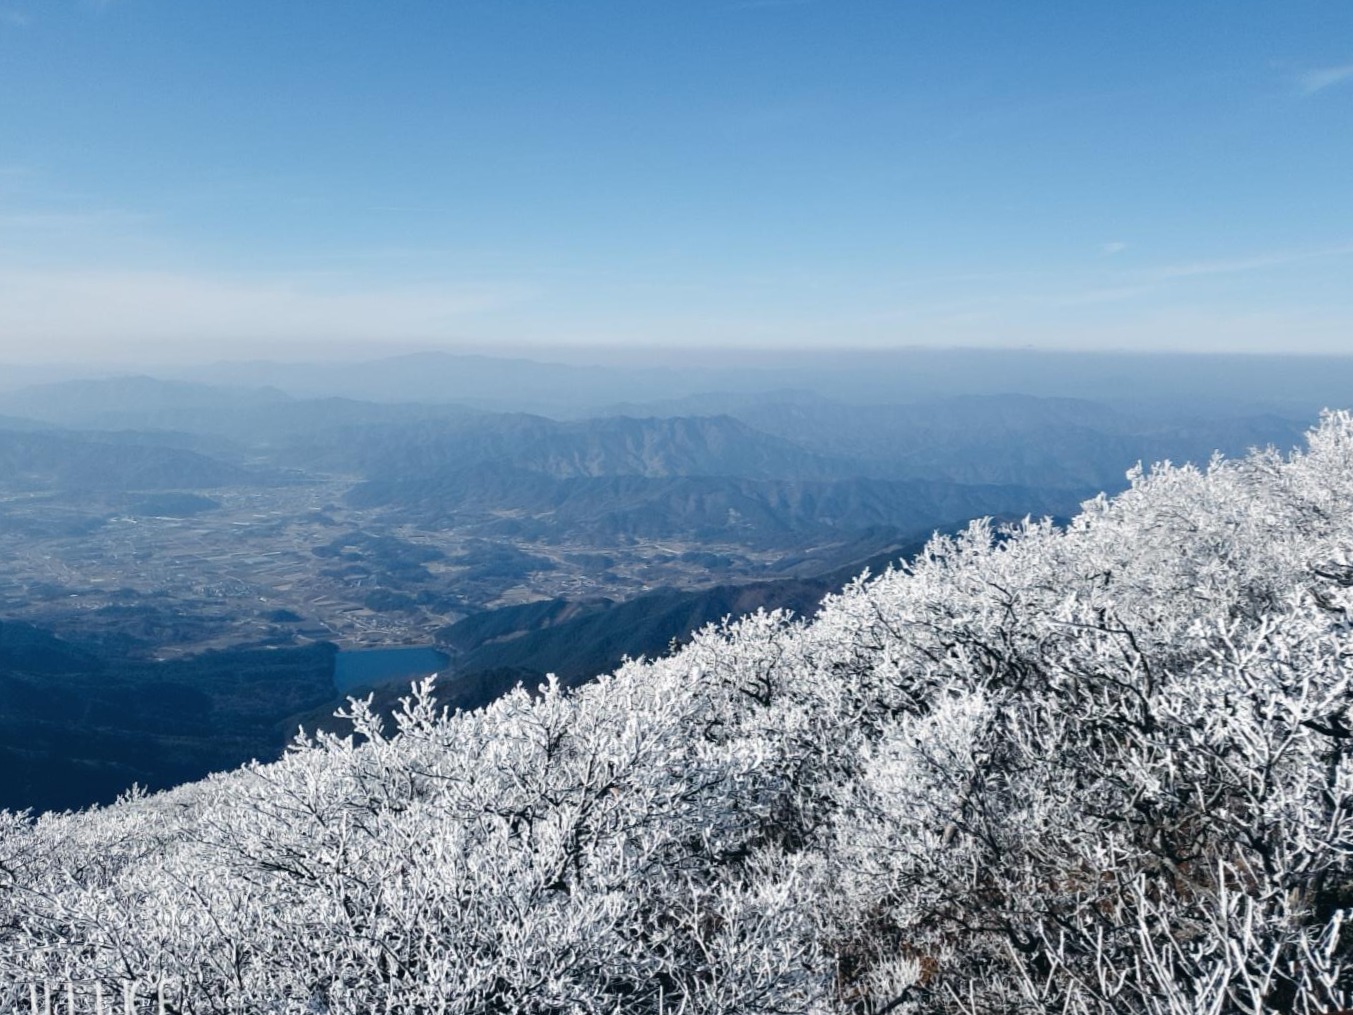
(81, 724)
(576, 640)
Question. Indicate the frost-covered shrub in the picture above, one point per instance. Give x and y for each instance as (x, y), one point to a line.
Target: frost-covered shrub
(1095, 769)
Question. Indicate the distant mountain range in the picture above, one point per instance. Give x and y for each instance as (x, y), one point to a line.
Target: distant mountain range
(759, 468)
(583, 382)
(910, 433)
(516, 503)
(1046, 442)
(609, 446)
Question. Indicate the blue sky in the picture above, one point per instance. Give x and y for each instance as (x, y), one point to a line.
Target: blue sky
(193, 180)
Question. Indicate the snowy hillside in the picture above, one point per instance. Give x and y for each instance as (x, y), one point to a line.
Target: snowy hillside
(1105, 769)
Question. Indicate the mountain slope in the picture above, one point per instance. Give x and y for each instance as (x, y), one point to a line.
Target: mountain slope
(81, 724)
(577, 640)
(1096, 769)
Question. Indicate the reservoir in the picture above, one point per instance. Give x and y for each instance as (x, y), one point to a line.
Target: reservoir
(357, 668)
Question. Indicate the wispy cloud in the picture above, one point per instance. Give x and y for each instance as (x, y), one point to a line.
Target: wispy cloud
(1320, 78)
(56, 220)
(1273, 259)
(15, 17)
(1111, 248)
(1095, 297)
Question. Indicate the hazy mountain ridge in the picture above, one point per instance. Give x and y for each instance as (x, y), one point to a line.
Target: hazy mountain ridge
(613, 446)
(587, 382)
(1006, 438)
(41, 460)
(1021, 439)
(134, 401)
(518, 502)
(261, 417)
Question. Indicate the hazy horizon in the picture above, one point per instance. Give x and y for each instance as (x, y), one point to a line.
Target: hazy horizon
(580, 383)
(175, 362)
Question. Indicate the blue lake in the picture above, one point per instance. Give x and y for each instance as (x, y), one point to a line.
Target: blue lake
(358, 668)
